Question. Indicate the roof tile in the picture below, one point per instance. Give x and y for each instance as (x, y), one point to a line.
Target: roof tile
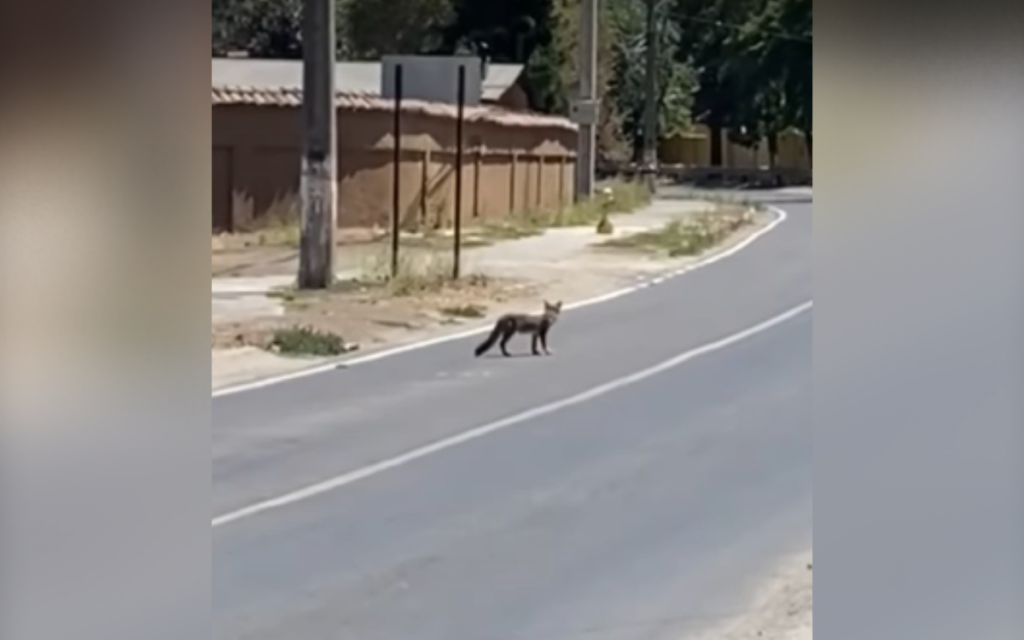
(288, 97)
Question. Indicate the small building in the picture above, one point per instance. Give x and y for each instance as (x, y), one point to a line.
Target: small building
(513, 160)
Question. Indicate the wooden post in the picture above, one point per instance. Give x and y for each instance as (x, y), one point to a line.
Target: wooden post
(425, 188)
(476, 183)
(459, 125)
(396, 176)
(512, 187)
(540, 181)
(561, 180)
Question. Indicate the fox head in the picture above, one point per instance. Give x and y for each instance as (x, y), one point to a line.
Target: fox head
(553, 308)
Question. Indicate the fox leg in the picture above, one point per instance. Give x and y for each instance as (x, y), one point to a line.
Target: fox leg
(544, 342)
(533, 343)
(504, 343)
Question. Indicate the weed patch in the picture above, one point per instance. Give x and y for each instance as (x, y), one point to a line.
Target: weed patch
(690, 236)
(465, 311)
(419, 272)
(278, 226)
(617, 197)
(726, 199)
(440, 241)
(522, 227)
(307, 341)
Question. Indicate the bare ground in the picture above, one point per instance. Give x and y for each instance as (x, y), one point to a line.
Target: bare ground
(782, 608)
(372, 316)
(275, 251)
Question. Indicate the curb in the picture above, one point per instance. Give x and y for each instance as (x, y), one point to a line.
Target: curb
(347, 362)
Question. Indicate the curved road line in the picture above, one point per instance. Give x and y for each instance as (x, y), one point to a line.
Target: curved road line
(780, 217)
(352, 477)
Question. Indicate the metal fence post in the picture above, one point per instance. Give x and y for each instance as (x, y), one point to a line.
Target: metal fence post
(459, 121)
(396, 179)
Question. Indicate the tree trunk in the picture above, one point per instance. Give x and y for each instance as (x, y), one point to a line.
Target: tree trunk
(773, 150)
(715, 126)
(637, 145)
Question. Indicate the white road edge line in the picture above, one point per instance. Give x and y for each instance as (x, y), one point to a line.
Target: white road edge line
(352, 477)
(780, 217)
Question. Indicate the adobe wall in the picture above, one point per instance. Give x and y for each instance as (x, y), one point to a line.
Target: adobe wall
(506, 169)
(694, 149)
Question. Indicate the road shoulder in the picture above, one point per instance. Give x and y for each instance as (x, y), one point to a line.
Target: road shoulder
(563, 264)
(782, 607)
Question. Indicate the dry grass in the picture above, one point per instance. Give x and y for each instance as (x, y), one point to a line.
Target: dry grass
(689, 236)
(378, 306)
(419, 272)
(372, 309)
(616, 197)
(467, 310)
(303, 340)
(727, 199)
(440, 241)
(277, 227)
(272, 240)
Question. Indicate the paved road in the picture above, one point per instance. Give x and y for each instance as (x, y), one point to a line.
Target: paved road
(642, 513)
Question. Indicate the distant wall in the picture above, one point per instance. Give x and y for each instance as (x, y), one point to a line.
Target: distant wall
(694, 149)
(512, 163)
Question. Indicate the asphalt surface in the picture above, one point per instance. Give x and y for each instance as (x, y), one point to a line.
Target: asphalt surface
(643, 513)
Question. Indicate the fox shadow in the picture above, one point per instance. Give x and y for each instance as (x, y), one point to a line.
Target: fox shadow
(501, 356)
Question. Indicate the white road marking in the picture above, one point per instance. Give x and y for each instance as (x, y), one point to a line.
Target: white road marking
(352, 477)
(780, 217)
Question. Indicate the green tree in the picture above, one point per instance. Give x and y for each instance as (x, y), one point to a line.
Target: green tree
(753, 59)
(786, 55)
(706, 42)
(676, 81)
(511, 29)
(261, 28)
(372, 28)
(550, 73)
(771, 57)
(265, 28)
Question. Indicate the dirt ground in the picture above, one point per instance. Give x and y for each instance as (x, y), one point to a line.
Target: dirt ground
(275, 250)
(371, 315)
(782, 608)
(563, 264)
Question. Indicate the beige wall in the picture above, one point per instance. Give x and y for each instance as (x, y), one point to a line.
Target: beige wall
(695, 149)
(256, 153)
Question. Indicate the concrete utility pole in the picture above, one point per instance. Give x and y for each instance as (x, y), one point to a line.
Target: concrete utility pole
(585, 111)
(650, 159)
(319, 191)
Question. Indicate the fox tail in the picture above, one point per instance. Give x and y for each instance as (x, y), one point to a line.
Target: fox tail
(486, 345)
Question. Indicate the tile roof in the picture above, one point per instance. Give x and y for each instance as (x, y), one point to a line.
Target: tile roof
(292, 97)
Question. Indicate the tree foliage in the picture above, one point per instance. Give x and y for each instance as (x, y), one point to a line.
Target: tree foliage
(753, 62)
(675, 81)
(372, 28)
(744, 65)
(262, 28)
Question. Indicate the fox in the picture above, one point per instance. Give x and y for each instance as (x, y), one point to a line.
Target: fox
(510, 324)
